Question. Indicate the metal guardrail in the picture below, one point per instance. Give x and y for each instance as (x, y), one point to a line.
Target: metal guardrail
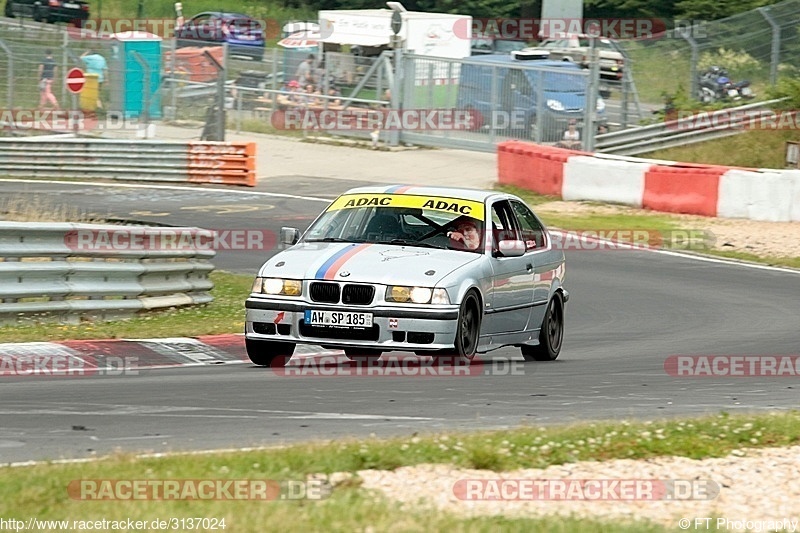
(203, 162)
(70, 271)
(679, 132)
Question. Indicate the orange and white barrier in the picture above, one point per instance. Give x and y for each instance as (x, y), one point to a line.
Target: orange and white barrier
(221, 162)
(709, 190)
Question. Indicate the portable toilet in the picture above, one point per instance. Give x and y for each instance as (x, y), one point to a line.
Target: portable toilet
(133, 85)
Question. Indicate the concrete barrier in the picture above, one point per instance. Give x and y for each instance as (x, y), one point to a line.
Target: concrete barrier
(589, 178)
(668, 186)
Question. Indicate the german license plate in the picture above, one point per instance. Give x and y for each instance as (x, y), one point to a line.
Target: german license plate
(338, 319)
(70, 5)
(247, 37)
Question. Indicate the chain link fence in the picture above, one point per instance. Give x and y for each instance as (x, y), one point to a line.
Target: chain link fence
(757, 46)
(206, 87)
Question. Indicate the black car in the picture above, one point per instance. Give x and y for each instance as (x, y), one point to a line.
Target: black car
(74, 11)
(244, 34)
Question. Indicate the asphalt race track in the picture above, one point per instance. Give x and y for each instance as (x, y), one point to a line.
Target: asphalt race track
(628, 312)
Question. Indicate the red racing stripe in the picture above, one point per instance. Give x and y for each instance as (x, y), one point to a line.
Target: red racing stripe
(334, 268)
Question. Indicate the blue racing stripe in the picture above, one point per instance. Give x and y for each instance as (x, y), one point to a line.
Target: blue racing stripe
(320, 274)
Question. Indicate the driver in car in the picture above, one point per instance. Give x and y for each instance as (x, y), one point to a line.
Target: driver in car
(467, 234)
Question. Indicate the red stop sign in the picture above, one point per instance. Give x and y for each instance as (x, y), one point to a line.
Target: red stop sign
(75, 80)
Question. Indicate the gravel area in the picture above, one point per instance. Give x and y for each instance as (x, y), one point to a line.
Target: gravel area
(755, 485)
(764, 239)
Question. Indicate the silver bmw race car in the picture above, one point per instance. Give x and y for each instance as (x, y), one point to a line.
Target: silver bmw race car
(429, 270)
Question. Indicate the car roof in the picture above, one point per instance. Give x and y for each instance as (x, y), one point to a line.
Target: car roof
(447, 192)
(507, 59)
(224, 14)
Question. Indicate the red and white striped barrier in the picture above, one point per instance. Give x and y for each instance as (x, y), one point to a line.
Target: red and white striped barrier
(709, 190)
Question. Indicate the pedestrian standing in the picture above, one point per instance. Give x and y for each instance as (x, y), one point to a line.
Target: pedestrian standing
(47, 73)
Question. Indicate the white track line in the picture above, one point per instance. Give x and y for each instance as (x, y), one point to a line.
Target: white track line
(614, 245)
(695, 257)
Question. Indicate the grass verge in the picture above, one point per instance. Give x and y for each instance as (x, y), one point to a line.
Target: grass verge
(753, 149)
(41, 490)
(224, 315)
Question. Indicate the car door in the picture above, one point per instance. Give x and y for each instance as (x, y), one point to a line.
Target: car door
(538, 253)
(196, 28)
(508, 301)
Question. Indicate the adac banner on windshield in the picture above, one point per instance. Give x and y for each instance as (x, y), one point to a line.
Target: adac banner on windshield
(456, 206)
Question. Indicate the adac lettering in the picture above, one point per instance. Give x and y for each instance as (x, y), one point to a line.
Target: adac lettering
(361, 202)
(442, 205)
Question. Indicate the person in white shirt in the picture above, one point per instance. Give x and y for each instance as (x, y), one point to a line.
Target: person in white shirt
(572, 137)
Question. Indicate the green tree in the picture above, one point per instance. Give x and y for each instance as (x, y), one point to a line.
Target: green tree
(716, 9)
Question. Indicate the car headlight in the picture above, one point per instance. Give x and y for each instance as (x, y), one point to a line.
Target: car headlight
(601, 105)
(555, 105)
(286, 287)
(417, 295)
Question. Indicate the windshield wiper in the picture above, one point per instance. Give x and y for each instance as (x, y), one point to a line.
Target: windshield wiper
(404, 242)
(331, 239)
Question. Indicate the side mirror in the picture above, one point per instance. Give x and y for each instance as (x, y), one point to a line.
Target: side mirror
(511, 248)
(290, 236)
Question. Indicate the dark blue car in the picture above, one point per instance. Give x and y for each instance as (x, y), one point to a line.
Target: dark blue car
(556, 90)
(244, 35)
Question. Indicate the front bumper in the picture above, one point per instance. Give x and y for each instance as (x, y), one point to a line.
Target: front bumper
(395, 327)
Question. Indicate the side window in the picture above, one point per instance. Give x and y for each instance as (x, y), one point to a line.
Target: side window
(502, 223)
(532, 230)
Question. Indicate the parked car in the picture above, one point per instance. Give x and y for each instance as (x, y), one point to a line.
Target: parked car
(398, 268)
(544, 97)
(74, 11)
(576, 48)
(482, 45)
(244, 35)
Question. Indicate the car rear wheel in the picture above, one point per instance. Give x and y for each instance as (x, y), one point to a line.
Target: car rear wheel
(263, 353)
(362, 354)
(467, 332)
(551, 335)
(9, 11)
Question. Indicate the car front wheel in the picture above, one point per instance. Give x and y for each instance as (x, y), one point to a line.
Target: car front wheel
(551, 335)
(263, 353)
(467, 332)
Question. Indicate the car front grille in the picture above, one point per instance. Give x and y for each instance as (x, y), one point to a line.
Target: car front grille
(325, 292)
(358, 294)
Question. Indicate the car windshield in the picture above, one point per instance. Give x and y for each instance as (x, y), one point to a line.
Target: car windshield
(571, 81)
(399, 219)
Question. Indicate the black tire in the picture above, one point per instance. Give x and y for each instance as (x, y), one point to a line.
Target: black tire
(362, 354)
(467, 332)
(263, 353)
(38, 13)
(9, 11)
(551, 336)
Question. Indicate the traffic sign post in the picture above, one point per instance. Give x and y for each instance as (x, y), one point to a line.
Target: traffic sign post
(75, 80)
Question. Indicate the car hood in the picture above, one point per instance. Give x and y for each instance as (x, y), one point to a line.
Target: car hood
(367, 263)
(570, 101)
